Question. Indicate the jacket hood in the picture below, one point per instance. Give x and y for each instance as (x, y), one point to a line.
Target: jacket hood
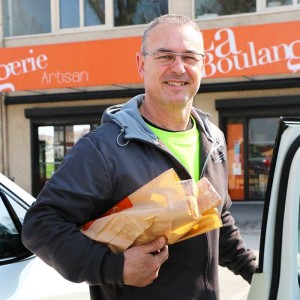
(128, 118)
(132, 125)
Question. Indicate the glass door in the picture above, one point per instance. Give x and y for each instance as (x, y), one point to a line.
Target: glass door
(250, 143)
(235, 144)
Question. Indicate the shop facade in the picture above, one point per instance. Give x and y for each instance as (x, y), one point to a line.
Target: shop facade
(55, 86)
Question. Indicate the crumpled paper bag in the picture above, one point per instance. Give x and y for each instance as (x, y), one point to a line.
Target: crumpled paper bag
(164, 206)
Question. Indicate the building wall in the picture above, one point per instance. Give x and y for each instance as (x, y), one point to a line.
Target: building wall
(206, 101)
(18, 127)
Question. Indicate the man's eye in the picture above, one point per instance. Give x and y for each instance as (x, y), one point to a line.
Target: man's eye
(189, 58)
(165, 57)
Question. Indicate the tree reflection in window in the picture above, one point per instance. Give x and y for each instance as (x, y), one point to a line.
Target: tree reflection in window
(213, 8)
(138, 11)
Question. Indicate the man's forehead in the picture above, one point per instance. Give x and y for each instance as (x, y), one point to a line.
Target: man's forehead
(161, 37)
(173, 26)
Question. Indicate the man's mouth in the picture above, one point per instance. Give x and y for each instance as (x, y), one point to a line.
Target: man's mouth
(176, 83)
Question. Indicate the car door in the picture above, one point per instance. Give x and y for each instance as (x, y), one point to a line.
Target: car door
(22, 274)
(11, 215)
(278, 274)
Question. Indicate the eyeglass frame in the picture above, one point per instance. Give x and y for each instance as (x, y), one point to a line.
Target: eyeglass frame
(181, 54)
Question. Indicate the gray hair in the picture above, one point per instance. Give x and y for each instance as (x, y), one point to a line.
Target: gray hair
(169, 19)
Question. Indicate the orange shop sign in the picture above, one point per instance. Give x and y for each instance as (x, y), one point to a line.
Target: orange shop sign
(230, 52)
(252, 50)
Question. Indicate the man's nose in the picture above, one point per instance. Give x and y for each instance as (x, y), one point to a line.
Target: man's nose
(178, 66)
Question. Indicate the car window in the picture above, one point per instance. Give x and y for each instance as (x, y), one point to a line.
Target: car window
(11, 215)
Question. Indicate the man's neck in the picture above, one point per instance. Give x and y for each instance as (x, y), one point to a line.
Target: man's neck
(168, 118)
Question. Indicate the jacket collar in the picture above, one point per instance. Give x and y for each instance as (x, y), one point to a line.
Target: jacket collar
(128, 118)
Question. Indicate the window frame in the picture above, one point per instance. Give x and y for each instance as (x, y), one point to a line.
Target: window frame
(252, 190)
(57, 116)
(2, 18)
(55, 18)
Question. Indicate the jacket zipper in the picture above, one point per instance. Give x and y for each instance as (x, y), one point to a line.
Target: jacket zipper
(206, 281)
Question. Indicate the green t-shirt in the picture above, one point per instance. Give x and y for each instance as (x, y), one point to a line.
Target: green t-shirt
(184, 145)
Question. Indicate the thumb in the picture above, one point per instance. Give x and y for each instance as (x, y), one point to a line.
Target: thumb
(155, 245)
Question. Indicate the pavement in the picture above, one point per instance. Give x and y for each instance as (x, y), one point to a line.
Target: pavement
(248, 218)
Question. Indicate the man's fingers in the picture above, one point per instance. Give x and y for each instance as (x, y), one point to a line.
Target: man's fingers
(155, 246)
(142, 262)
(162, 255)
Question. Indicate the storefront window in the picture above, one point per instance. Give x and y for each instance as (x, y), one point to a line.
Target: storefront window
(69, 15)
(54, 143)
(261, 135)
(93, 13)
(138, 11)
(26, 17)
(250, 147)
(273, 3)
(214, 8)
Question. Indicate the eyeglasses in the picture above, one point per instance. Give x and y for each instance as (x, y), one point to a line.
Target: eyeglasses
(167, 58)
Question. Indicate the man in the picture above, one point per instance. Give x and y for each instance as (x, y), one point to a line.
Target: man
(136, 142)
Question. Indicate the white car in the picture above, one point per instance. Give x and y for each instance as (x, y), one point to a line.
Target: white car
(278, 275)
(23, 276)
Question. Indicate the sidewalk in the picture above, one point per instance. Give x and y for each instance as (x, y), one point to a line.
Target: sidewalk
(234, 287)
(248, 219)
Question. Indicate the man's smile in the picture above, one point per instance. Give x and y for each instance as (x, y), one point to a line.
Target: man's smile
(176, 83)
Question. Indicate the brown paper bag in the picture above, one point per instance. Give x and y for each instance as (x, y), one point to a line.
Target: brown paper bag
(164, 206)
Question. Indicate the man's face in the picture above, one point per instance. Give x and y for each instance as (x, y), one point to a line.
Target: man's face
(174, 83)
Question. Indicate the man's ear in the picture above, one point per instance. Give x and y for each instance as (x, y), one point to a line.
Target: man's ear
(140, 61)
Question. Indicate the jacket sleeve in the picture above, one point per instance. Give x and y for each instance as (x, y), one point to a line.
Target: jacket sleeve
(78, 192)
(233, 252)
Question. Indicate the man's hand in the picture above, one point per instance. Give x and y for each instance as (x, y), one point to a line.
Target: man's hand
(142, 262)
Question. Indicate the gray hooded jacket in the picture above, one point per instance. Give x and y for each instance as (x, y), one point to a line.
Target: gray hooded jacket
(107, 165)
